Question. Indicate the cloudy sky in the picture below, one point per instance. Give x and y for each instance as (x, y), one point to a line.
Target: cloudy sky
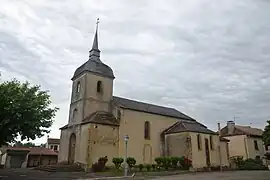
(210, 59)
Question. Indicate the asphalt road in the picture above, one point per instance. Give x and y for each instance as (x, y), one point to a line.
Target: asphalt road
(26, 174)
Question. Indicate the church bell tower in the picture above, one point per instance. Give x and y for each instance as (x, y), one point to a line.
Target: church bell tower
(92, 87)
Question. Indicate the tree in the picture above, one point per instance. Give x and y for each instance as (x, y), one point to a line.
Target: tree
(20, 144)
(266, 134)
(25, 111)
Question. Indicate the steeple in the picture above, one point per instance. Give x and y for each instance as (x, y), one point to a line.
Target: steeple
(94, 64)
(94, 53)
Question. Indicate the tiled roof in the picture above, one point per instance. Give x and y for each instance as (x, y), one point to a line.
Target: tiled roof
(101, 117)
(242, 130)
(42, 151)
(249, 130)
(149, 108)
(188, 126)
(53, 141)
(33, 150)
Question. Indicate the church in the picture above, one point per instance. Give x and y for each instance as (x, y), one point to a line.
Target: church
(99, 121)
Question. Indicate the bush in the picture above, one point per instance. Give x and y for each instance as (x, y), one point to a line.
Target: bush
(148, 167)
(252, 164)
(238, 160)
(159, 161)
(100, 165)
(185, 162)
(131, 161)
(166, 162)
(117, 161)
(174, 161)
(154, 166)
(267, 155)
(141, 167)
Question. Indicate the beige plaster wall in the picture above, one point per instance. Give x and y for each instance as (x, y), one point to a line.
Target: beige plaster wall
(224, 147)
(199, 156)
(252, 152)
(132, 124)
(178, 145)
(103, 141)
(237, 146)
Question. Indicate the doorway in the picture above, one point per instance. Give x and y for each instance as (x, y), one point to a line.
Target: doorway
(72, 147)
(207, 152)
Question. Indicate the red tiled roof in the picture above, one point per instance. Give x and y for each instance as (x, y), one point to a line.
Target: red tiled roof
(35, 150)
(41, 151)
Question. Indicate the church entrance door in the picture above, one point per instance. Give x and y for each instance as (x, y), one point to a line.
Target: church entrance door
(72, 146)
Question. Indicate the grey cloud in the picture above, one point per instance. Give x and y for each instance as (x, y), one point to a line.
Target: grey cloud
(209, 59)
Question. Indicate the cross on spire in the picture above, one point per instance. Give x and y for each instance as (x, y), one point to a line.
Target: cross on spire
(95, 51)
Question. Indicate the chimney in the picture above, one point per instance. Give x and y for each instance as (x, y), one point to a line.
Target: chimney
(230, 126)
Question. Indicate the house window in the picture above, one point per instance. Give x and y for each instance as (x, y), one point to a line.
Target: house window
(55, 148)
(199, 142)
(99, 86)
(51, 146)
(211, 143)
(256, 145)
(147, 130)
(118, 115)
(78, 87)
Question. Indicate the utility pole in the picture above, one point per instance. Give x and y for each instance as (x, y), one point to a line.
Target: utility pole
(219, 148)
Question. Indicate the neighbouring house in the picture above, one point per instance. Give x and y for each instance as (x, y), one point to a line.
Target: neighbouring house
(21, 157)
(53, 143)
(99, 121)
(245, 141)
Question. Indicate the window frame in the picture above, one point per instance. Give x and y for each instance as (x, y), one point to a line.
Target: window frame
(99, 87)
(256, 146)
(78, 87)
(211, 142)
(199, 142)
(147, 130)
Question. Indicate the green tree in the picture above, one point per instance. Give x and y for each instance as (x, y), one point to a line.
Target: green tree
(20, 144)
(266, 134)
(25, 111)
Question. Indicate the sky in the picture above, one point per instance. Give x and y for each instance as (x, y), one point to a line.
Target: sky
(209, 59)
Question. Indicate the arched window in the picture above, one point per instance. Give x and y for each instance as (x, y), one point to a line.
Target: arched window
(74, 114)
(55, 148)
(118, 115)
(78, 87)
(99, 86)
(147, 130)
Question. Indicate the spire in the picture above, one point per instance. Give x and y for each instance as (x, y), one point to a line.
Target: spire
(95, 52)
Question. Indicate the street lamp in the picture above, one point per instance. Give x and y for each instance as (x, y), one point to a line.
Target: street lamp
(126, 138)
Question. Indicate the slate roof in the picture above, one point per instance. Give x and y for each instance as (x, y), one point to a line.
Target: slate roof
(94, 64)
(242, 130)
(187, 126)
(53, 141)
(149, 108)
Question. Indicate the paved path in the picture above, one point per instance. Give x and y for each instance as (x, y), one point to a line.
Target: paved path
(25, 174)
(229, 175)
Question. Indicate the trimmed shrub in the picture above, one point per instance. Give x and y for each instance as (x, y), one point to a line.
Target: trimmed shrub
(141, 166)
(174, 161)
(131, 161)
(267, 155)
(166, 162)
(159, 161)
(154, 166)
(100, 165)
(252, 164)
(148, 167)
(117, 161)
